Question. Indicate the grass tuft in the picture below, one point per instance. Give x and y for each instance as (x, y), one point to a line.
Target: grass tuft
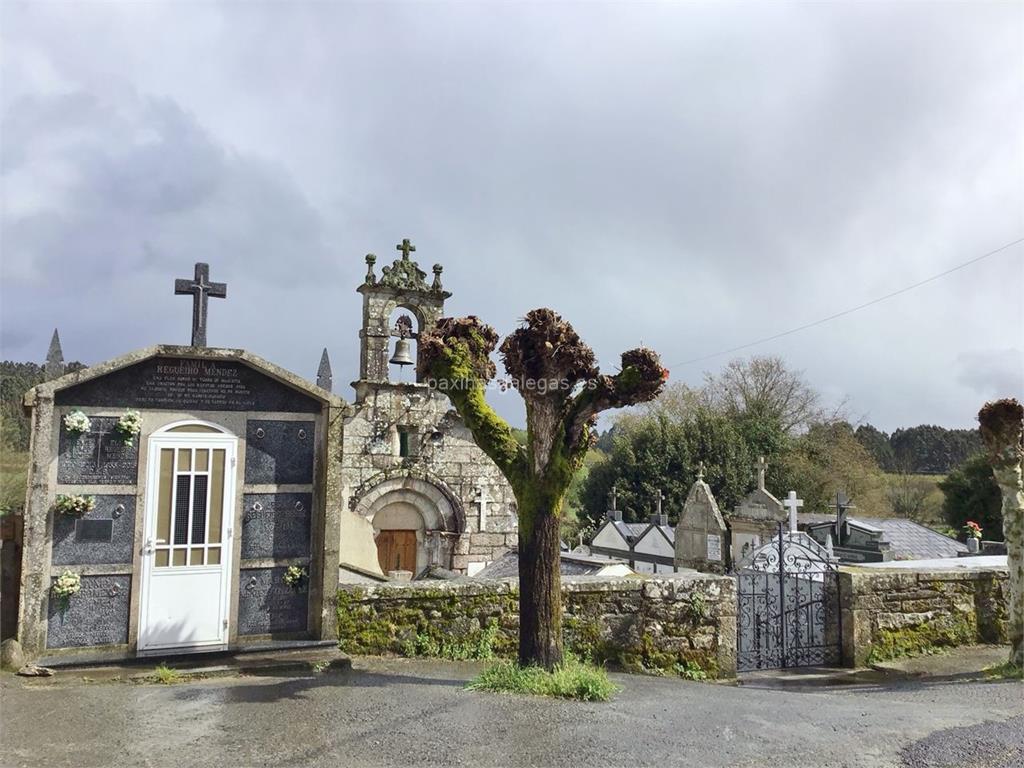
(572, 679)
(1005, 671)
(166, 675)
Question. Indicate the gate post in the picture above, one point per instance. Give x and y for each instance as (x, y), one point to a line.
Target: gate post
(782, 601)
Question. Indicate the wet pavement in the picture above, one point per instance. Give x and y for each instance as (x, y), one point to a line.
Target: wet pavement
(395, 712)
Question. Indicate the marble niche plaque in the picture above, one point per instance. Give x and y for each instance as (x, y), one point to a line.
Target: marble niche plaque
(266, 605)
(97, 457)
(181, 384)
(105, 535)
(97, 615)
(276, 525)
(279, 452)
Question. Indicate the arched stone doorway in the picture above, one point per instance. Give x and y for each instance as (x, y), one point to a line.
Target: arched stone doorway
(416, 523)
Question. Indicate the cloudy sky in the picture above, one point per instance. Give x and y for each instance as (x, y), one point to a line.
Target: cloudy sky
(692, 177)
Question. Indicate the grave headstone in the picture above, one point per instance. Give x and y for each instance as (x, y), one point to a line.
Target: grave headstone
(266, 605)
(97, 457)
(276, 525)
(104, 535)
(97, 615)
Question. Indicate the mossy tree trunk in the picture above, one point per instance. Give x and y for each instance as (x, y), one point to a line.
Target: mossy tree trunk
(540, 585)
(555, 373)
(1002, 428)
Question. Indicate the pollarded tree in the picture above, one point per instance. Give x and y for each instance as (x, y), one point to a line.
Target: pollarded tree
(1002, 429)
(556, 374)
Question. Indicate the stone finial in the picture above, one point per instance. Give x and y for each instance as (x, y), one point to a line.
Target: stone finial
(324, 377)
(658, 500)
(700, 472)
(371, 278)
(54, 366)
(436, 285)
(404, 273)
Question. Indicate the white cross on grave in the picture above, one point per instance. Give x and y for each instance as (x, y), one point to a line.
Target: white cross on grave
(792, 503)
(482, 499)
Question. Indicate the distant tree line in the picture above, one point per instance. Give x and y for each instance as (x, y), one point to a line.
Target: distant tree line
(926, 449)
(757, 407)
(15, 380)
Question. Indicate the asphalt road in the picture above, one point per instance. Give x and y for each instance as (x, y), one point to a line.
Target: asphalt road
(412, 713)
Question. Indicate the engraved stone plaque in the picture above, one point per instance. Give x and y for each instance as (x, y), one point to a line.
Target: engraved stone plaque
(97, 615)
(267, 605)
(276, 525)
(189, 384)
(714, 547)
(104, 535)
(279, 452)
(97, 457)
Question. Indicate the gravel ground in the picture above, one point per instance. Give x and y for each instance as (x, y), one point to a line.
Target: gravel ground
(408, 713)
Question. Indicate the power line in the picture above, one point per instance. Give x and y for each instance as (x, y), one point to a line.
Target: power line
(866, 304)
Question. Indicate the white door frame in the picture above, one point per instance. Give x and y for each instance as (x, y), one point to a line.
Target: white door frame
(157, 441)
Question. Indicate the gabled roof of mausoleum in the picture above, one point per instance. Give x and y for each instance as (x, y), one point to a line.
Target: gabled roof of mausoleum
(265, 367)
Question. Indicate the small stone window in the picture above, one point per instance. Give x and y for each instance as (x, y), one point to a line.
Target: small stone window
(406, 442)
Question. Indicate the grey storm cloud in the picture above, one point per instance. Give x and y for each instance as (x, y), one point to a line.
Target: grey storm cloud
(692, 177)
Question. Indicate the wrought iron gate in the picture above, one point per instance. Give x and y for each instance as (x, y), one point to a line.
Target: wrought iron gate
(788, 613)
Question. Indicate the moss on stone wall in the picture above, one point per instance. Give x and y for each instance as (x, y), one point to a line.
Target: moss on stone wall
(659, 627)
(912, 640)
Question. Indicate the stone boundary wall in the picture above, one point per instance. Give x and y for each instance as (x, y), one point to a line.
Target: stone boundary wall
(677, 623)
(890, 613)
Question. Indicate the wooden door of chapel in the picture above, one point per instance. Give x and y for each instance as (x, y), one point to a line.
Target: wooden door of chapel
(396, 551)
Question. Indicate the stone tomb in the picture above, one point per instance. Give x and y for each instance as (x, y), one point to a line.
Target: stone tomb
(701, 531)
(197, 520)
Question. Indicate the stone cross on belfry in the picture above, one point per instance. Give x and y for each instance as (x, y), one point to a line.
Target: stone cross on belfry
(201, 289)
(792, 503)
(614, 497)
(657, 501)
(482, 499)
(762, 466)
(405, 247)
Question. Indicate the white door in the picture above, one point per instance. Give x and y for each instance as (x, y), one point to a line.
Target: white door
(186, 561)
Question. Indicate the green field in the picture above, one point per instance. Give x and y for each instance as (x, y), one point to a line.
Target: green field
(13, 476)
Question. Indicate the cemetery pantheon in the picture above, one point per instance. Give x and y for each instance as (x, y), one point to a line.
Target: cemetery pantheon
(249, 491)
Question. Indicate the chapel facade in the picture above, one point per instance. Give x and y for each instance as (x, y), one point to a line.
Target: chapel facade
(410, 468)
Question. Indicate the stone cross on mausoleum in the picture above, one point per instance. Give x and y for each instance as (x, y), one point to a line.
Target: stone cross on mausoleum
(201, 289)
(762, 466)
(792, 503)
(657, 502)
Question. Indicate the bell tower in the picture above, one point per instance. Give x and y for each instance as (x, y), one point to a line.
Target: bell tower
(401, 286)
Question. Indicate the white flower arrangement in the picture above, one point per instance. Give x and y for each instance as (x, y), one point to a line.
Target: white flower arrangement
(73, 504)
(295, 576)
(129, 426)
(67, 585)
(77, 423)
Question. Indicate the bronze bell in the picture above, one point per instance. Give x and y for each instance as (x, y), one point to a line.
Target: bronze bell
(402, 354)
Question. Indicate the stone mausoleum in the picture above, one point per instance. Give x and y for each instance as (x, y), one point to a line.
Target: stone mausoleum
(198, 498)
